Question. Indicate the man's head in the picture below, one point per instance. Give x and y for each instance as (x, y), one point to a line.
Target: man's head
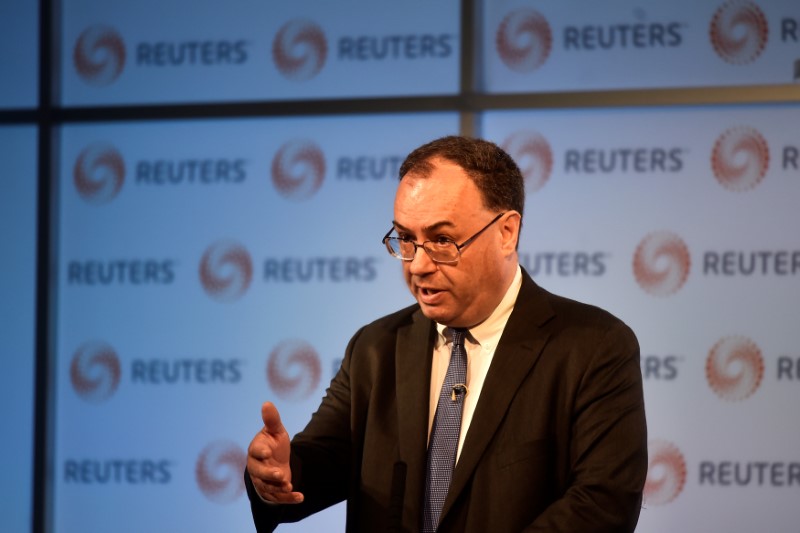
(450, 189)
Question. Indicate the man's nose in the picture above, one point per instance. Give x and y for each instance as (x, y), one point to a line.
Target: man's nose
(422, 262)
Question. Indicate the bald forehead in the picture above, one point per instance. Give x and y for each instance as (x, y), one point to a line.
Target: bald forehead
(439, 180)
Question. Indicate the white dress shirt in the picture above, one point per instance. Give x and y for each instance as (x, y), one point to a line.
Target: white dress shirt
(480, 344)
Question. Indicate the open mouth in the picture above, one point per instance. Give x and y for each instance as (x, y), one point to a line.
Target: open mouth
(430, 296)
(429, 292)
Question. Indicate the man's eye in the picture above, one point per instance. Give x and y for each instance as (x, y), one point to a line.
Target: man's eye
(404, 238)
(443, 241)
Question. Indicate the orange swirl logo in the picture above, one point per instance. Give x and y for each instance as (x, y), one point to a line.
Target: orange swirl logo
(219, 471)
(739, 32)
(524, 40)
(299, 50)
(740, 158)
(226, 271)
(95, 371)
(99, 55)
(298, 169)
(661, 263)
(99, 173)
(293, 370)
(666, 473)
(532, 153)
(734, 368)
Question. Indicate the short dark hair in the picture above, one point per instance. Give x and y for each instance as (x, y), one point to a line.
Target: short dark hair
(495, 173)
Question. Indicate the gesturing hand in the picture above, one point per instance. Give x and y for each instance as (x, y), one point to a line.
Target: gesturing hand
(268, 459)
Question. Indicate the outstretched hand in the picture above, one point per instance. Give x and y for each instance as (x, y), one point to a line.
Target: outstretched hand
(268, 459)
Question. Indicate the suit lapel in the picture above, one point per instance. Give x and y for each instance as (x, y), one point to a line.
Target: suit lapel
(519, 349)
(413, 366)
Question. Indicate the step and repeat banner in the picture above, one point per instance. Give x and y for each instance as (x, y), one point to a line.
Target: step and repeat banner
(205, 267)
(551, 45)
(176, 51)
(154, 51)
(684, 222)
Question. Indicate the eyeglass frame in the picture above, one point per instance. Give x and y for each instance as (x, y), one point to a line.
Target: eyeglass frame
(459, 247)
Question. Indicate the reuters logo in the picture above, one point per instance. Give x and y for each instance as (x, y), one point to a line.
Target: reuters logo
(739, 32)
(666, 473)
(661, 263)
(299, 50)
(298, 169)
(524, 40)
(99, 173)
(734, 368)
(226, 271)
(95, 371)
(740, 158)
(219, 471)
(532, 153)
(293, 370)
(99, 55)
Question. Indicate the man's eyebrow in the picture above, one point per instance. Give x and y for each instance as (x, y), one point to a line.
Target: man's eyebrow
(426, 229)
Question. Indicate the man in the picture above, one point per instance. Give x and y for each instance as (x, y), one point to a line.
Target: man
(549, 417)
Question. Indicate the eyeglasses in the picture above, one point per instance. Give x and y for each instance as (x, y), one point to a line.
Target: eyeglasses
(441, 250)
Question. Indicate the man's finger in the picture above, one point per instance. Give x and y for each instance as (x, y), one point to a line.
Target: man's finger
(260, 447)
(287, 497)
(276, 492)
(271, 418)
(268, 474)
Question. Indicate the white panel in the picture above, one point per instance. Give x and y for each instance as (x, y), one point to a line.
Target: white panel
(682, 221)
(175, 51)
(206, 267)
(551, 45)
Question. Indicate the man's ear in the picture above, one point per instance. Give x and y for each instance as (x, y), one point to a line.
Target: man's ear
(509, 229)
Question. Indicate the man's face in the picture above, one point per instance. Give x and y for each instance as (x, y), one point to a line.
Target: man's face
(448, 204)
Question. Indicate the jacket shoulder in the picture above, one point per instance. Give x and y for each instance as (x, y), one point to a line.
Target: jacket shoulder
(561, 313)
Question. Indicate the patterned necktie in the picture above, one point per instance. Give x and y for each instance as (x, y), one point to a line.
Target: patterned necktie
(444, 433)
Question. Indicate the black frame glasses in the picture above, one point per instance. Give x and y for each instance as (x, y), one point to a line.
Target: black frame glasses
(445, 245)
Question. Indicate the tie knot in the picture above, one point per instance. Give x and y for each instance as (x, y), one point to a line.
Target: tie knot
(458, 335)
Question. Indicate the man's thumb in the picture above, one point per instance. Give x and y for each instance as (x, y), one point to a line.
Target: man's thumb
(271, 418)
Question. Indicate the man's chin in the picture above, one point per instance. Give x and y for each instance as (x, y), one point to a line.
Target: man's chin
(438, 314)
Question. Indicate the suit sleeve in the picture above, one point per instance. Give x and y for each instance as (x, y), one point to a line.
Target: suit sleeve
(320, 460)
(608, 448)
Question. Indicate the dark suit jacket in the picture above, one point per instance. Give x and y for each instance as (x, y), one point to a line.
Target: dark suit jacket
(557, 441)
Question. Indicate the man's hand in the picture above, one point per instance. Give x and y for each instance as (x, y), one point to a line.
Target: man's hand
(268, 460)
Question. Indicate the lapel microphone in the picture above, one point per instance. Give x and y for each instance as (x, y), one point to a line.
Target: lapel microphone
(458, 389)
